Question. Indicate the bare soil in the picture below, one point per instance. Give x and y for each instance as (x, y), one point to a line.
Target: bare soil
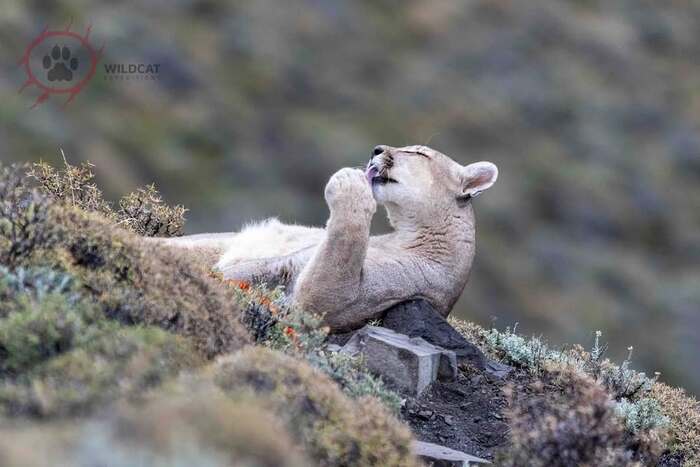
(466, 414)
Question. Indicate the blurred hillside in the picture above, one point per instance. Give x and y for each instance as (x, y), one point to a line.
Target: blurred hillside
(589, 108)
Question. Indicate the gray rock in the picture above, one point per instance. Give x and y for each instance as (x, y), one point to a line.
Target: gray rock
(441, 456)
(408, 364)
(418, 318)
(333, 348)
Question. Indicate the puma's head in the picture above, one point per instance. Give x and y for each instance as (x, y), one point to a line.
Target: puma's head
(415, 183)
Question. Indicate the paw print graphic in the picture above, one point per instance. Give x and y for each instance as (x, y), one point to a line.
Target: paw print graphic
(59, 64)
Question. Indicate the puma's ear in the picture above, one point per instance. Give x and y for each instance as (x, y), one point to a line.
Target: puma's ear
(477, 177)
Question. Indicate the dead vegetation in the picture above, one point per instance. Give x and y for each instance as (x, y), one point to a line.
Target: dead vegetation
(142, 211)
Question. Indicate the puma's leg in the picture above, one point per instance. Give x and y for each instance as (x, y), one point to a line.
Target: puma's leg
(330, 281)
(277, 271)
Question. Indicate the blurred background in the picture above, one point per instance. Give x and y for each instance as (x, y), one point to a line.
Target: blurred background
(589, 108)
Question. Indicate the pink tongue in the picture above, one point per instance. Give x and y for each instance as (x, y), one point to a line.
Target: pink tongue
(371, 172)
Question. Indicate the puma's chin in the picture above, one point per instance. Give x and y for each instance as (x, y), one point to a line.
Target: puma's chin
(379, 192)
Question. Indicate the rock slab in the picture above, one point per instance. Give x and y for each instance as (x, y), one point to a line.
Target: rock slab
(441, 456)
(408, 364)
(418, 318)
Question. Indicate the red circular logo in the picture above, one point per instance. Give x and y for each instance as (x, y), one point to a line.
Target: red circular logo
(59, 62)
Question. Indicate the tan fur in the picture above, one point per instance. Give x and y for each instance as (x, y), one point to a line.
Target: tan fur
(346, 274)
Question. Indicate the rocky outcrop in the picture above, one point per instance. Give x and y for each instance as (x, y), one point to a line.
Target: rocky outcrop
(409, 364)
(417, 318)
(440, 456)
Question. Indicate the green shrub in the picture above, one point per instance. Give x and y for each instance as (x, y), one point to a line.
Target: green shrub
(24, 217)
(136, 282)
(113, 362)
(354, 378)
(33, 285)
(333, 429)
(39, 330)
(200, 428)
(572, 421)
(139, 282)
(641, 415)
(76, 292)
(683, 412)
(276, 324)
(529, 353)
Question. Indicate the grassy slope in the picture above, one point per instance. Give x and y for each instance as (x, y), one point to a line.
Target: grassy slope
(111, 337)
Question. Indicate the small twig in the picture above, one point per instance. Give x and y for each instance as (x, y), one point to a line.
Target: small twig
(70, 177)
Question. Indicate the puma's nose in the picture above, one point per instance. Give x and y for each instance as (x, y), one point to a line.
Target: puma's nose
(378, 150)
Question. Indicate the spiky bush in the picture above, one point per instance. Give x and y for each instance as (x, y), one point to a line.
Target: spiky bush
(24, 213)
(73, 185)
(145, 213)
(142, 211)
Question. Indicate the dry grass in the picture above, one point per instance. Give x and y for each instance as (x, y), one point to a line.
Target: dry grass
(684, 414)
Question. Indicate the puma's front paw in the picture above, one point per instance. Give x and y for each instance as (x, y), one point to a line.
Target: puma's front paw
(349, 193)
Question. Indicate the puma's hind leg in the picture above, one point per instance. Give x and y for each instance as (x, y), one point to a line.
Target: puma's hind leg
(205, 249)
